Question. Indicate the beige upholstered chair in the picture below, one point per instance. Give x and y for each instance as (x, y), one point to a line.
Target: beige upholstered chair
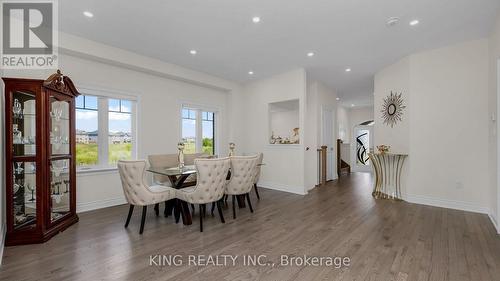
(257, 174)
(210, 185)
(137, 192)
(242, 179)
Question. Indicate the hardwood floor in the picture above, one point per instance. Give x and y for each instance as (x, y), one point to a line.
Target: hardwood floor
(384, 240)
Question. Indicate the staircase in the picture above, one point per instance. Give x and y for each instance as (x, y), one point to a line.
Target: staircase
(342, 166)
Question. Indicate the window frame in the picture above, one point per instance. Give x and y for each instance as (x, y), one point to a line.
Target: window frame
(199, 125)
(103, 97)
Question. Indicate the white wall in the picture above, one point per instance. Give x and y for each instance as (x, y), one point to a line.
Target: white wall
(284, 163)
(343, 124)
(494, 79)
(395, 78)
(445, 125)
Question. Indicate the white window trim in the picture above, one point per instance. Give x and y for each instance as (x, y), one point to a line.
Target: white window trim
(103, 124)
(199, 129)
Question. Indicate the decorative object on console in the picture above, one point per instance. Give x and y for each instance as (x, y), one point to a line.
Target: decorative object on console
(383, 148)
(40, 156)
(180, 158)
(232, 146)
(392, 109)
(294, 139)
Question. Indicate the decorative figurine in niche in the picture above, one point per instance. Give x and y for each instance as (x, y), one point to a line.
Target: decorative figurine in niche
(180, 147)
(232, 145)
(392, 109)
(294, 139)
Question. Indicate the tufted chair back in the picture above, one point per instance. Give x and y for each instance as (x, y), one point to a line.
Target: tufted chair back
(189, 158)
(257, 167)
(162, 161)
(211, 181)
(242, 174)
(136, 191)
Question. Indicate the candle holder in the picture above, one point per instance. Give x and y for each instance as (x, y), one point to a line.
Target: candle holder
(180, 146)
(232, 145)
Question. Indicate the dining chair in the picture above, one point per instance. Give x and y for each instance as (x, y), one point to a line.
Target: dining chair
(242, 178)
(257, 174)
(210, 186)
(139, 193)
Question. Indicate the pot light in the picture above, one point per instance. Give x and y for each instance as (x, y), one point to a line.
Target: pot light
(348, 70)
(256, 19)
(337, 98)
(414, 22)
(88, 14)
(193, 52)
(310, 54)
(352, 105)
(392, 21)
(250, 72)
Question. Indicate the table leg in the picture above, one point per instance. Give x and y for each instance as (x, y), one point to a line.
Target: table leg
(185, 213)
(181, 209)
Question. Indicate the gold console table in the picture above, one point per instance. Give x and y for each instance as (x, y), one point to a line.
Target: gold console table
(387, 168)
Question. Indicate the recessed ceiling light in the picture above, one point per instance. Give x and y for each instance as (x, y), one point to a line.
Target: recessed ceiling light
(310, 54)
(88, 14)
(193, 52)
(256, 19)
(392, 21)
(250, 72)
(414, 22)
(337, 98)
(348, 70)
(352, 105)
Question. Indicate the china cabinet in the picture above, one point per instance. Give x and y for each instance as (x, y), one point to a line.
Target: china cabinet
(40, 158)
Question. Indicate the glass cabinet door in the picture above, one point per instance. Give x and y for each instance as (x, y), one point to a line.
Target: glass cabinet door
(24, 194)
(24, 123)
(60, 188)
(59, 127)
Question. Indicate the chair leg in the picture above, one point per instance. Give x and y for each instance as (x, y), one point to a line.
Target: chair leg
(157, 209)
(249, 203)
(234, 207)
(256, 191)
(165, 212)
(219, 208)
(177, 210)
(144, 210)
(130, 211)
(201, 216)
(192, 208)
(213, 208)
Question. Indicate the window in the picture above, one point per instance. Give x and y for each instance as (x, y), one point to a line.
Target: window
(198, 130)
(96, 118)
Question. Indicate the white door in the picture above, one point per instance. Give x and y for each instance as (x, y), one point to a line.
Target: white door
(362, 145)
(327, 139)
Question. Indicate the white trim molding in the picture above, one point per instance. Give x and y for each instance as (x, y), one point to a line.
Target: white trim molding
(446, 203)
(99, 204)
(494, 222)
(282, 187)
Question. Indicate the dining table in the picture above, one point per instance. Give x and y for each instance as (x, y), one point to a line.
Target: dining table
(177, 177)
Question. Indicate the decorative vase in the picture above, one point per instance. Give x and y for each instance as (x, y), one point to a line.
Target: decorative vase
(232, 145)
(180, 146)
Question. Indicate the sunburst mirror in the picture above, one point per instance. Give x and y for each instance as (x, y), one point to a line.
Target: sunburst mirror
(392, 109)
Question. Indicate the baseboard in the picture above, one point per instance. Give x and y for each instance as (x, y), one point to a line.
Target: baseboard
(446, 203)
(99, 204)
(494, 222)
(3, 230)
(282, 187)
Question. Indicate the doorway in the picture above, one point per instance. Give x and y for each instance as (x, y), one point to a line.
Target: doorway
(328, 139)
(362, 145)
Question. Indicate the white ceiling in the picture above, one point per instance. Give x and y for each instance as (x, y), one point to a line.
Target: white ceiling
(349, 33)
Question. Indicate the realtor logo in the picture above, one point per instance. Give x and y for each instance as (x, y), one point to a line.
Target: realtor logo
(29, 35)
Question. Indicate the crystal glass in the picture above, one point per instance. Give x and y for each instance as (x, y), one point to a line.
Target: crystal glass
(23, 196)
(60, 188)
(180, 146)
(59, 126)
(24, 123)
